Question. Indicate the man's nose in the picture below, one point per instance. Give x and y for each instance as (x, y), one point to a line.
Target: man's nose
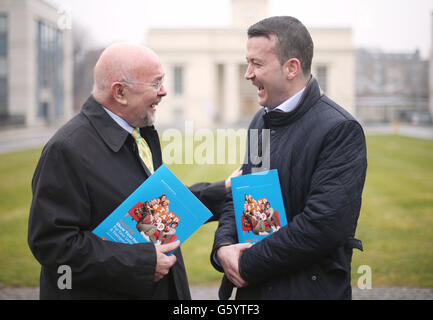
(162, 91)
(249, 74)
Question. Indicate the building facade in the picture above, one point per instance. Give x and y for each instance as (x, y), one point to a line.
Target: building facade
(431, 66)
(35, 64)
(391, 86)
(205, 69)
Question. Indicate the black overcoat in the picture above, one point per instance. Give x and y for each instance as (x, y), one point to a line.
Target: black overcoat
(85, 171)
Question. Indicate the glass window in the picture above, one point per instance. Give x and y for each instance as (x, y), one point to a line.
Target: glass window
(178, 80)
(3, 23)
(3, 90)
(3, 67)
(4, 86)
(50, 71)
(3, 44)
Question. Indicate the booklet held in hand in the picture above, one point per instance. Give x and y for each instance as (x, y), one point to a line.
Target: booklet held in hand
(161, 210)
(258, 205)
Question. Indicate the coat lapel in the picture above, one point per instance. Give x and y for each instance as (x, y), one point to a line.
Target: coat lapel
(110, 132)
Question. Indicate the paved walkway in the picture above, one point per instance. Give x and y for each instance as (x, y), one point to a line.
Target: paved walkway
(211, 293)
(18, 139)
(422, 132)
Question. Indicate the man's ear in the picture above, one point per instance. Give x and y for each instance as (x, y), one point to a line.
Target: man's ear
(292, 68)
(119, 92)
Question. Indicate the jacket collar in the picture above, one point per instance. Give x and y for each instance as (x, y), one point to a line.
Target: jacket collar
(110, 132)
(114, 135)
(277, 118)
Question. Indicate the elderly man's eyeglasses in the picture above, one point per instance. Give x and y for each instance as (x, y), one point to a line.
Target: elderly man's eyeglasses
(157, 85)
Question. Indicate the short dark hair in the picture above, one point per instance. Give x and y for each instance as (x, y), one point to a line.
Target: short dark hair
(293, 39)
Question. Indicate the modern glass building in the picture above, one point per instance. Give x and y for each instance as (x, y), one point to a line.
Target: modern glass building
(35, 64)
(49, 41)
(4, 87)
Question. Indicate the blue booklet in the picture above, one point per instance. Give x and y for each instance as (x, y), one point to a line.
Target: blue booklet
(161, 210)
(258, 205)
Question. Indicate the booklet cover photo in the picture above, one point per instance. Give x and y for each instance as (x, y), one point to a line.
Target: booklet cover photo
(161, 210)
(258, 205)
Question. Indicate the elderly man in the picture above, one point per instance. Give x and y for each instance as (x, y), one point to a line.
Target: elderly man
(87, 169)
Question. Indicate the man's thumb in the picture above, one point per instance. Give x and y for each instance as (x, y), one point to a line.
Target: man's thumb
(245, 246)
(164, 248)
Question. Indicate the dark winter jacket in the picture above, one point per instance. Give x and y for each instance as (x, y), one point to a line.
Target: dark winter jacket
(320, 153)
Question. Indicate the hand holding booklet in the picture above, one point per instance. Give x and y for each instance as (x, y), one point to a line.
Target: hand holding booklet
(258, 205)
(161, 210)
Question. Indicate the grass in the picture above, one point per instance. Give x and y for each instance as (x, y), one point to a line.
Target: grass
(397, 214)
(395, 225)
(17, 265)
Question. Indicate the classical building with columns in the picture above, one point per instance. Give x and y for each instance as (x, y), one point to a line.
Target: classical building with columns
(205, 69)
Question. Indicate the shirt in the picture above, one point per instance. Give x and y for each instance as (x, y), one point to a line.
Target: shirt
(121, 122)
(290, 103)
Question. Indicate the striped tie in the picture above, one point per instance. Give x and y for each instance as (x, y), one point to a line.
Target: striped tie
(143, 150)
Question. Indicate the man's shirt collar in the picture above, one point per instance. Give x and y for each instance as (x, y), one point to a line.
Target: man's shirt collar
(120, 121)
(291, 103)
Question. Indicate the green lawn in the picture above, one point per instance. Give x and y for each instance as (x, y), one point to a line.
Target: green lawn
(17, 265)
(395, 225)
(396, 222)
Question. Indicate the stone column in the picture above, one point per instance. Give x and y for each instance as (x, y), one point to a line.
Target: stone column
(231, 94)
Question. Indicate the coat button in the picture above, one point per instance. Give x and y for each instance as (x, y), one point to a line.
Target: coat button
(273, 132)
(314, 278)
